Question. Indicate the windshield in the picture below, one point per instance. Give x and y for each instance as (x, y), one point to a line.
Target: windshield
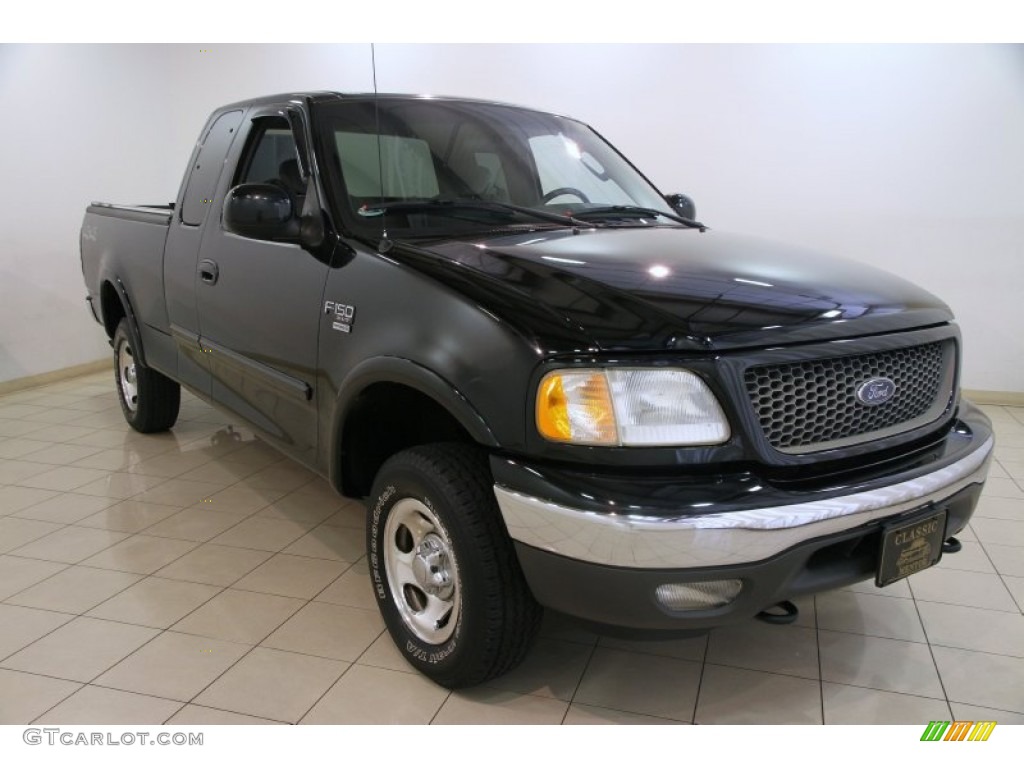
(451, 155)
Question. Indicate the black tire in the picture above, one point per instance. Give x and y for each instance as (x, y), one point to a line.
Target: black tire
(445, 491)
(149, 400)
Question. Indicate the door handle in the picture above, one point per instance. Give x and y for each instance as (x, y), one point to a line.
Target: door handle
(208, 271)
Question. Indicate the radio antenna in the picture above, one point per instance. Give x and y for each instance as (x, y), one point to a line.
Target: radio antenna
(385, 243)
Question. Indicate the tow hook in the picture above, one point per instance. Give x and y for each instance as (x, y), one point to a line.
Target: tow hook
(771, 615)
(786, 612)
(952, 544)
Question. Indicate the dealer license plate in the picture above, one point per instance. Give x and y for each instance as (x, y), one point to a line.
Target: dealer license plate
(909, 546)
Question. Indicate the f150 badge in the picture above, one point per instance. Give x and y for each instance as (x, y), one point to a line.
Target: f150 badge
(344, 315)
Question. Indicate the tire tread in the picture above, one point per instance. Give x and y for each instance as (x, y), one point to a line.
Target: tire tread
(512, 616)
(159, 398)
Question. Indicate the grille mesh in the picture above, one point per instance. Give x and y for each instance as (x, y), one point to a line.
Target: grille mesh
(806, 403)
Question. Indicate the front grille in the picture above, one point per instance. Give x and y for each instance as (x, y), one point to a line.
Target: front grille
(812, 404)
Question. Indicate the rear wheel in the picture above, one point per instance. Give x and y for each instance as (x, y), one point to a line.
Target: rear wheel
(443, 568)
(149, 400)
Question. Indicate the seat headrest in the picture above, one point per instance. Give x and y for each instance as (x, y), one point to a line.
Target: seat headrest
(288, 172)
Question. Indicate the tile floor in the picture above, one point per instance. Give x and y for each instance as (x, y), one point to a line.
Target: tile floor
(199, 577)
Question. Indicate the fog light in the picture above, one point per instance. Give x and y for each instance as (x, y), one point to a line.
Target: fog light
(698, 595)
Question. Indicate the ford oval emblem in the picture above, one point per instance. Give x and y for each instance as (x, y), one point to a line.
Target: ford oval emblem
(876, 391)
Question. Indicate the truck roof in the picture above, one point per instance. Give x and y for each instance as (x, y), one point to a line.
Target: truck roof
(328, 96)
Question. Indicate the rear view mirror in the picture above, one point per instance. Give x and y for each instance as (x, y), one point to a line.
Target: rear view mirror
(260, 211)
(682, 205)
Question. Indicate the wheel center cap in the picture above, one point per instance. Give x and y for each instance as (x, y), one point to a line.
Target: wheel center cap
(130, 374)
(430, 567)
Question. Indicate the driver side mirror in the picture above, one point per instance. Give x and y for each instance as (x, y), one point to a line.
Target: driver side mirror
(683, 205)
(260, 211)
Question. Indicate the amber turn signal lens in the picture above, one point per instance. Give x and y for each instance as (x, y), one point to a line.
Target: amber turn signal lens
(576, 406)
(552, 413)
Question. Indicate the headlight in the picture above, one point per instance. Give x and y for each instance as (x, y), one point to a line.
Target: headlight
(629, 406)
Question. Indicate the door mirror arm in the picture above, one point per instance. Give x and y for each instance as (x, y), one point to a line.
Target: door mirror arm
(312, 227)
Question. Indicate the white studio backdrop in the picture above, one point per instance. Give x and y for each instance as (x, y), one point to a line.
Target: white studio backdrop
(909, 158)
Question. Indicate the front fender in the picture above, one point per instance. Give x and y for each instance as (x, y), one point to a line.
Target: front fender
(399, 370)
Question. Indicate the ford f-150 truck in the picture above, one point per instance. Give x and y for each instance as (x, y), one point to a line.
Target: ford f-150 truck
(552, 386)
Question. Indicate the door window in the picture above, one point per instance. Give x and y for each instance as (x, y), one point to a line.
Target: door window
(270, 158)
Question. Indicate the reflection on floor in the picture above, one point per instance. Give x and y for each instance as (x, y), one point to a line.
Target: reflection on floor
(199, 577)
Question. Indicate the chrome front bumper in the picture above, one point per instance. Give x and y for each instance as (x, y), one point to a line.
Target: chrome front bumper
(727, 538)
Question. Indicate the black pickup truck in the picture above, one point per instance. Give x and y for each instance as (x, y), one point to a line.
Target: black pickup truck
(551, 384)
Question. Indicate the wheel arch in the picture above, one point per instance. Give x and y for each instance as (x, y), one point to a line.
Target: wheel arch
(116, 306)
(412, 400)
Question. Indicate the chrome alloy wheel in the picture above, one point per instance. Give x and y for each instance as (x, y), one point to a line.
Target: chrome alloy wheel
(126, 372)
(421, 571)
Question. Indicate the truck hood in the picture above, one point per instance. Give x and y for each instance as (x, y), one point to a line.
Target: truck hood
(663, 288)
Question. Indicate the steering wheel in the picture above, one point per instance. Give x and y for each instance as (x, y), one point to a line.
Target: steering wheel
(564, 191)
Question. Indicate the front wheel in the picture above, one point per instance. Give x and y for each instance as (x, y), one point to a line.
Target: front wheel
(149, 400)
(443, 568)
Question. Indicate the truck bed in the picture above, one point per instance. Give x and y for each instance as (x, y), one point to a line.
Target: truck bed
(157, 214)
(116, 236)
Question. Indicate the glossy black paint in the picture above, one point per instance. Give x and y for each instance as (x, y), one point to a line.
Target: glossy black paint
(471, 324)
(181, 256)
(106, 234)
(260, 211)
(259, 323)
(405, 316)
(671, 288)
(683, 205)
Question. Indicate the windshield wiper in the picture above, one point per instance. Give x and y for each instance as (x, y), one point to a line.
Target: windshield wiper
(611, 211)
(443, 204)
